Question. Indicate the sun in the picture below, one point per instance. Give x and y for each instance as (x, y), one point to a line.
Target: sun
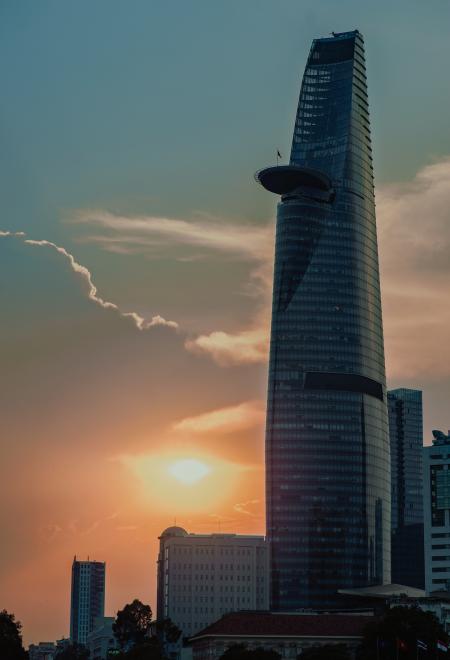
(184, 482)
(188, 470)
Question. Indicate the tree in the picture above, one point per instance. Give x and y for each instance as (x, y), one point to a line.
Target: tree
(395, 636)
(73, 651)
(149, 650)
(241, 652)
(168, 631)
(132, 624)
(326, 652)
(11, 647)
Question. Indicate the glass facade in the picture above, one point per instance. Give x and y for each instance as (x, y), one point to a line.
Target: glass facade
(87, 598)
(327, 443)
(406, 438)
(436, 500)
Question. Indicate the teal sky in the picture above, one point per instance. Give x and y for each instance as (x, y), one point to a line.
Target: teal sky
(130, 133)
(168, 108)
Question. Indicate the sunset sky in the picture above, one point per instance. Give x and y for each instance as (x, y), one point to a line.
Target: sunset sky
(136, 259)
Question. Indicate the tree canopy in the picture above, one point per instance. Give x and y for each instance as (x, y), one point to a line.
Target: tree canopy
(168, 631)
(241, 652)
(132, 624)
(326, 652)
(149, 650)
(11, 647)
(395, 636)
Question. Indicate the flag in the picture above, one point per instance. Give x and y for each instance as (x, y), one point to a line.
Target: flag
(401, 645)
(421, 645)
(279, 155)
(441, 646)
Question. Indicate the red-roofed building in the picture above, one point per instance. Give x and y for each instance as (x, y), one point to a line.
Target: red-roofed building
(288, 634)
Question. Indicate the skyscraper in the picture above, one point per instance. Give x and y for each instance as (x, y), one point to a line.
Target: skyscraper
(406, 438)
(327, 443)
(87, 598)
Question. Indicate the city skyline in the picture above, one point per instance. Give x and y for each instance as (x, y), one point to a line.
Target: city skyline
(138, 160)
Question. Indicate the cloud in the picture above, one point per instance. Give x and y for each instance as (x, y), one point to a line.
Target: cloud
(231, 349)
(252, 243)
(49, 532)
(126, 528)
(414, 239)
(225, 420)
(246, 508)
(140, 322)
(137, 233)
(11, 233)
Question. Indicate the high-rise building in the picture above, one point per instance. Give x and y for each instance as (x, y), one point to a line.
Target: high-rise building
(406, 436)
(327, 441)
(203, 576)
(436, 505)
(87, 598)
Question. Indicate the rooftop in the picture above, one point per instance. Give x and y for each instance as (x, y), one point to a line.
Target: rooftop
(268, 624)
(384, 591)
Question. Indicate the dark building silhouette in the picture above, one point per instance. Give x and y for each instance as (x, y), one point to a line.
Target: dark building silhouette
(327, 442)
(406, 436)
(87, 598)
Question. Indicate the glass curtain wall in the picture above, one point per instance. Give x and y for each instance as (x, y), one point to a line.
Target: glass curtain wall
(327, 442)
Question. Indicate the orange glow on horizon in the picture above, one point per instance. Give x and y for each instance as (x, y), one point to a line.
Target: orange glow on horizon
(194, 483)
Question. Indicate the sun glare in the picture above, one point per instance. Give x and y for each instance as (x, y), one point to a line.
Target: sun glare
(184, 483)
(188, 471)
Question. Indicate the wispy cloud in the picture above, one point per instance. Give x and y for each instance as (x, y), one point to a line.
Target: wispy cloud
(414, 248)
(140, 322)
(11, 233)
(251, 243)
(248, 508)
(225, 420)
(126, 528)
(49, 532)
(140, 232)
(414, 237)
(230, 349)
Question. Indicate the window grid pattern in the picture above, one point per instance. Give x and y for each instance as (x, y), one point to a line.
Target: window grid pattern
(327, 452)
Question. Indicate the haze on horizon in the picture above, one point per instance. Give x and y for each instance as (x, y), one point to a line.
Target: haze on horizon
(136, 256)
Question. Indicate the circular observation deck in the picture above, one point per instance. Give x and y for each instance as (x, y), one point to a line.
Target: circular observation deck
(287, 179)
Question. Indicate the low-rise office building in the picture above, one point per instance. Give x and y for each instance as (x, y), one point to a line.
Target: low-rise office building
(203, 576)
(42, 651)
(289, 634)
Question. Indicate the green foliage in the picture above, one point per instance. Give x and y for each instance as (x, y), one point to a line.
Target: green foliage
(132, 624)
(241, 652)
(407, 624)
(73, 651)
(167, 631)
(326, 652)
(149, 650)
(11, 647)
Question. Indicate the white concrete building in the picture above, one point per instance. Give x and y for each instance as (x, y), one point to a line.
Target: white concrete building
(101, 639)
(203, 576)
(436, 488)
